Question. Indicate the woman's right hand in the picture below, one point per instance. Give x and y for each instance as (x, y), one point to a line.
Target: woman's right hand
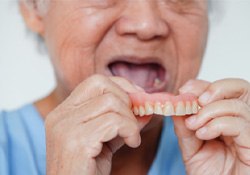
(85, 130)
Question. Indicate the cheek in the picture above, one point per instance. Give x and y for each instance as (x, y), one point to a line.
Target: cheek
(72, 43)
(190, 37)
(71, 72)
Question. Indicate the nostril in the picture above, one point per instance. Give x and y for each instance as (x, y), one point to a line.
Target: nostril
(147, 28)
(152, 32)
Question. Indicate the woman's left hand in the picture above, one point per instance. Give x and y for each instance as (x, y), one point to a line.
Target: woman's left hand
(216, 141)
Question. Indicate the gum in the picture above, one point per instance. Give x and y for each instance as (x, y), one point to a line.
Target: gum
(140, 98)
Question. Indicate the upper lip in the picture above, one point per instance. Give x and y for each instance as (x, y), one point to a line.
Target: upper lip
(136, 59)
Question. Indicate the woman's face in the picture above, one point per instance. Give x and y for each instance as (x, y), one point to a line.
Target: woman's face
(156, 44)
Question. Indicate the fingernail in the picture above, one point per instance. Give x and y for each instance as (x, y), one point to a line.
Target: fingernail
(185, 89)
(204, 98)
(139, 88)
(202, 131)
(189, 82)
(191, 120)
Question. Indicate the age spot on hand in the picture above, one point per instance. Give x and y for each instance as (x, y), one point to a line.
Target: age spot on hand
(163, 104)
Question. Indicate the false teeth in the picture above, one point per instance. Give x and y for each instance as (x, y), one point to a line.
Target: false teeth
(141, 111)
(149, 109)
(188, 108)
(158, 109)
(180, 109)
(167, 109)
(136, 110)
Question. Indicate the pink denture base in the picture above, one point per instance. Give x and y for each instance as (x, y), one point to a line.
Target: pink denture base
(142, 97)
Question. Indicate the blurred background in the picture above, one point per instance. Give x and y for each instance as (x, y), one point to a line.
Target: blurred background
(26, 74)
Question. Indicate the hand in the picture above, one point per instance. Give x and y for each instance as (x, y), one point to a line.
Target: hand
(216, 141)
(90, 125)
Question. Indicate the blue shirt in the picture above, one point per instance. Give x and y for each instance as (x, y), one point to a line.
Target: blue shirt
(23, 148)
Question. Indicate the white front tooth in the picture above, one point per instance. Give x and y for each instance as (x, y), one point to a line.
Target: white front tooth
(149, 109)
(158, 109)
(136, 110)
(195, 107)
(168, 109)
(180, 109)
(157, 82)
(141, 111)
(189, 108)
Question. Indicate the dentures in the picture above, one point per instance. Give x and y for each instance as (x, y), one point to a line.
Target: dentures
(163, 104)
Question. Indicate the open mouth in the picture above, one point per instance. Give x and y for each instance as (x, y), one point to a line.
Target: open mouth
(150, 76)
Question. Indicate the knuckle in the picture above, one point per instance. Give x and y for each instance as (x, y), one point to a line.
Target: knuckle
(238, 106)
(71, 144)
(98, 79)
(133, 126)
(112, 102)
(93, 82)
(244, 81)
(75, 141)
(214, 88)
(127, 100)
(115, 119)
(217, 126)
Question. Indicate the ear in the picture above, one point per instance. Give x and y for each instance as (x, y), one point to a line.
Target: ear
(33, 20)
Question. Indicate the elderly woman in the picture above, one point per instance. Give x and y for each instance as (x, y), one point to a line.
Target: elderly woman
(108, 57)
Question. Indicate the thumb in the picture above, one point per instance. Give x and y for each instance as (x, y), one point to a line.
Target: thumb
(196, 87)
(188, 142)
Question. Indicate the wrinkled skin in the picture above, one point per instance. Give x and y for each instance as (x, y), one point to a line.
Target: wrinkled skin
(88, 117)
(217, 139)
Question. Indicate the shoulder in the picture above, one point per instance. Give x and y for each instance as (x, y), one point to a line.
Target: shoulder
(11, 122)
(8, 120)
(3, 145)
(21, 131)
(15, 120)
(18, 125)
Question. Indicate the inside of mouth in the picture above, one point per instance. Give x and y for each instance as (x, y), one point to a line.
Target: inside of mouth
(146, 75)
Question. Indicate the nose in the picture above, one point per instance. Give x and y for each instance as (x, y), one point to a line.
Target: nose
(143, 20)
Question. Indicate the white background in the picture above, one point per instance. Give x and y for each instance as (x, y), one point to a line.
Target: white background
(26, 75)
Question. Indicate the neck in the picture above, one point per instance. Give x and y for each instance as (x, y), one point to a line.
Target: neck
(49, 103)
(126, 160)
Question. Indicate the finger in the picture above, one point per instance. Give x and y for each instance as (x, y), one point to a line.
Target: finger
(126, 85)
(85, 141)
(196, 87)
(224, 89)
(227, 126)
(109, 103)
(94, 86)
(110, 127)
(188, 142)
(217, 109)
(96, 107)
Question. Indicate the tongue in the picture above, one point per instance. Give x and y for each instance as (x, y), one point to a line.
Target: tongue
(143, 75)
